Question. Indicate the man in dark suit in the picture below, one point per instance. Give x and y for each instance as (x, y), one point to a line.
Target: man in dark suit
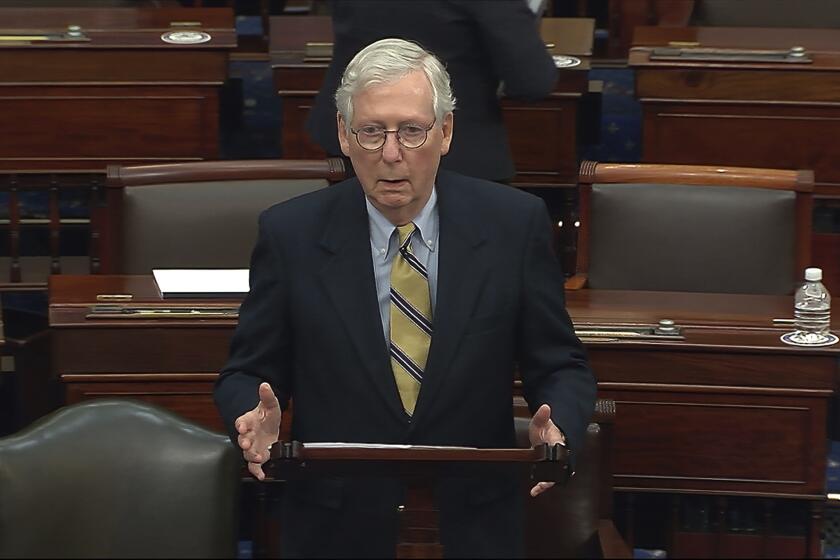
(395, 307)
(483, 43)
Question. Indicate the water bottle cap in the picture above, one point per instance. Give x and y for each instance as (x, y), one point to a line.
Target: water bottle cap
(813, 274)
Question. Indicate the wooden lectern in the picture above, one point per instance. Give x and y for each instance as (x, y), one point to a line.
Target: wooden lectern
(419, 467)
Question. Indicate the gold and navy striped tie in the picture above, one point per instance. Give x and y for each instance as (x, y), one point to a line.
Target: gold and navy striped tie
(411, 319)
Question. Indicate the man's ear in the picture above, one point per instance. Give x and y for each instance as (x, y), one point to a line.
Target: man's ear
(343, 140)
(447, 128)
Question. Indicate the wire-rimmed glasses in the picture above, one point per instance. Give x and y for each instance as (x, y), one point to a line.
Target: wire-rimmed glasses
(411, 136)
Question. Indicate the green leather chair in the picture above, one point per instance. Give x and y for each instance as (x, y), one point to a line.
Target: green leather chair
(115, 478)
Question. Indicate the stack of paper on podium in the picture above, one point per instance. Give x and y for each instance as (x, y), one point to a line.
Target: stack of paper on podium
(202, 282)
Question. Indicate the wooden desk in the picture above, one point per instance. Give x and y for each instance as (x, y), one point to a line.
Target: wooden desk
(546, 159)
(751, 114)
(729, 409)
(169, 363)
(118, 95)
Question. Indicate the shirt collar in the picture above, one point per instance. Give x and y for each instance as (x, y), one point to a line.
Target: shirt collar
(382, 230)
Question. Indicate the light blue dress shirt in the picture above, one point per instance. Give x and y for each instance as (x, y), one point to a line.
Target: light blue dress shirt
(384, 243)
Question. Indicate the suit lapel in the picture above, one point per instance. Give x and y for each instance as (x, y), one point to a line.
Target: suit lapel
(348, 277)
(462, 269)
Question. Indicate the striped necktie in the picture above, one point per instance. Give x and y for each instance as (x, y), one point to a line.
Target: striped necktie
(411, 319)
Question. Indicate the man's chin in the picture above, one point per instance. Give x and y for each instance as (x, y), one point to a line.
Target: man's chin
(393, 200)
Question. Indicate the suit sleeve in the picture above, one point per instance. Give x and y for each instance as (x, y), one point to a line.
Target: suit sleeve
(519, 58)
(261, 348)
(552, 361)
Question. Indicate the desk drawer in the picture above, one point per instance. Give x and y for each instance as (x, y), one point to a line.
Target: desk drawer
(625, 364)
(189, 396)
(140, 349)
(703, 441)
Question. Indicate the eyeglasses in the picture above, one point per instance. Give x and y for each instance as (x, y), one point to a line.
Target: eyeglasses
(411, 136)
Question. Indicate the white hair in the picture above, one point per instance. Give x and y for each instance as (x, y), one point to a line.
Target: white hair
(386, 61)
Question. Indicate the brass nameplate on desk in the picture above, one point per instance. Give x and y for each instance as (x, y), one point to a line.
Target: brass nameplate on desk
(73, 33)
(10, 40)
(114, 297)
(614, 333)
(318, 51)
(795, 55)
(168, 312)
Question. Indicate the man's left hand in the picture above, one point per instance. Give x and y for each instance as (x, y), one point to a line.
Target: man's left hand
(543, 430)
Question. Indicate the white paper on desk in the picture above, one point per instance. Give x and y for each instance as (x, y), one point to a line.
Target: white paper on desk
(201, 282)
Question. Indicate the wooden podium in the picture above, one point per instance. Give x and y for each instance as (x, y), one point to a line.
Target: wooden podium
(419, 467)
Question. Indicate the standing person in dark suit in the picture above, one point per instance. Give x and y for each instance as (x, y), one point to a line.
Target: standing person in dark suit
(483, 43)
(395, 307)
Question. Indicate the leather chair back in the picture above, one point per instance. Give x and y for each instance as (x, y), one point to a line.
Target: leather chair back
(199, 225)
(690, 228)
(692, 239)
(114, 478)
(198, 215)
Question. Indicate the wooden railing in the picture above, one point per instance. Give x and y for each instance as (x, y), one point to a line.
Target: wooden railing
(39, 221)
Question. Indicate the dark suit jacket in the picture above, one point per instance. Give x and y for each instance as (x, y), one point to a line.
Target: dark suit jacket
(311, 327)
(481, 42)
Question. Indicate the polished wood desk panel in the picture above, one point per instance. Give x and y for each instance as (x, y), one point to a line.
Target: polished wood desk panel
(172, 363)
(756, 114)
(119, 95)
(729, 409)
(547, 158)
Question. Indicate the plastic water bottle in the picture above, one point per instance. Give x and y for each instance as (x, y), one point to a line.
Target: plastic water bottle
(812, 309)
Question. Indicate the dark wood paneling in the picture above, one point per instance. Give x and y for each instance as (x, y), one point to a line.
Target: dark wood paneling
(192, 400)
(120, 95)
(719, 83)
(68, 127)
(110, 18)
(724, 545)
(55, 66)
(293, 77)
(295, 141)
(297, 85)
(128, 349)
(543, 138)
(705, 441)
(712, 368)
(767, 135)
(826, 252)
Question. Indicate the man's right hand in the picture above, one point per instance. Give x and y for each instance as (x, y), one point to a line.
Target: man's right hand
(258, 429)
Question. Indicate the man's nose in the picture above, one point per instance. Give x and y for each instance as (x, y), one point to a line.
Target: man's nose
(391, 150)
